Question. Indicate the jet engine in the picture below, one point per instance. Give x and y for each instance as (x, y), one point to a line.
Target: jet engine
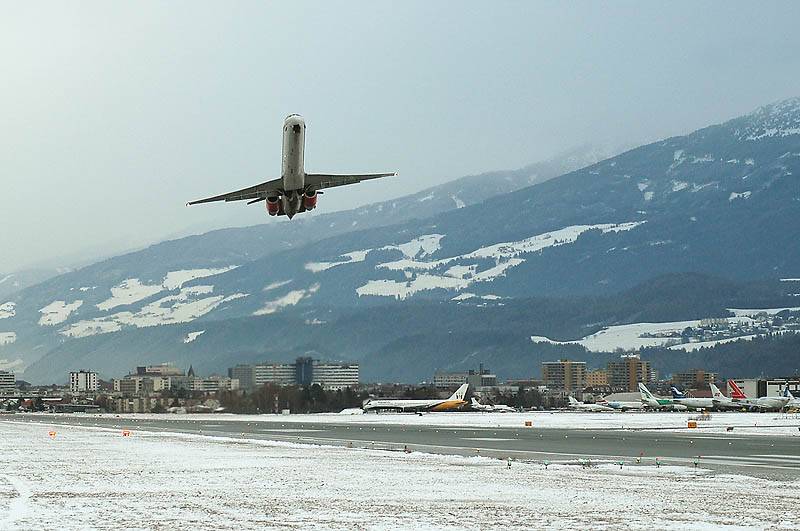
(310, 199)
(273, 205)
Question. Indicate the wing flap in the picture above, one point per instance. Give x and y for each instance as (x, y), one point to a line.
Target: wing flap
(318, 181)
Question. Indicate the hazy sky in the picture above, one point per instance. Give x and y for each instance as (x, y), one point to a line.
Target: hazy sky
(114, 114)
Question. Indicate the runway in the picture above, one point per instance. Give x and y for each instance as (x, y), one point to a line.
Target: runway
(759, 455)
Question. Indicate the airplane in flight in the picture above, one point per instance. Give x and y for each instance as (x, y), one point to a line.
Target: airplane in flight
(455, 402)
(296, 191)
(649, 400)
(490, 408)
(582, 406)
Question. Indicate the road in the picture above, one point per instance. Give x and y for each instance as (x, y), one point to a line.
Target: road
(758, 455)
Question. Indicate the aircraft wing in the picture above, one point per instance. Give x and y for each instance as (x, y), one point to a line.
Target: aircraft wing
(318, 181)
(257, 192)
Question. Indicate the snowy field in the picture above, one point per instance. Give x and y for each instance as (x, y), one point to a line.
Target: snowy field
(744, 423)
(85, 478)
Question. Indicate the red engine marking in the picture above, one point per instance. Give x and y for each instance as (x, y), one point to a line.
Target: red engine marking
(310, 201)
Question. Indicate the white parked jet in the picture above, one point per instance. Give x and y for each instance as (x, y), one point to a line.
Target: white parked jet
(490, 408)
(296, 191)
(691, 402)
(455, 402)
(621, 404)
(650, 401)
(581, 406)
(764, 403)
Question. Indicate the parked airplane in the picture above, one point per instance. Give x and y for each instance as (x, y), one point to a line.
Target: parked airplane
(764, 403)
(721, 401)
(793, 403)
(455, 402)
(580, 406)
(649, 400)
(691, 402)
(491, 408)
(621, 404)
(296, 191)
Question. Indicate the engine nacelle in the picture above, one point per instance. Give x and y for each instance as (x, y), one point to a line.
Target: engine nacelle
(273, 205)
(310, 200)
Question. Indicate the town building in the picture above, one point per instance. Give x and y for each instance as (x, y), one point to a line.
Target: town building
(82, 381)
(694, 379)
(254, 376)
(213, 384)
(304, 371)
(625, 374)
(8, 383)
(564, 375)
(597, 379)
(480, 378)
(136, 385)
(334, 375)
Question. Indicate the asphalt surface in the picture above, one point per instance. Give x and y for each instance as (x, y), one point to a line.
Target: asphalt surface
(767, 456)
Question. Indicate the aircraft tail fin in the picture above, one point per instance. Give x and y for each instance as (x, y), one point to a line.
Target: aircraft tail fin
(572, 400)
(715, 392)
(676, 393)
(735, 391)
(645, 392)
(788, 394)
(460, 393)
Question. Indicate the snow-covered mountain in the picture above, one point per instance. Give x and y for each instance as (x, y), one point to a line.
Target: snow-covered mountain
(722, 201)
(145, 284)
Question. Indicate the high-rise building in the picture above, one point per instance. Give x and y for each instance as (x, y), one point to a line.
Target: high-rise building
(625, 374)
(564, 374)
(82, 381)
(8, 383)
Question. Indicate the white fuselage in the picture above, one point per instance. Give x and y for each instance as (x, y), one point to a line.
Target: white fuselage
(294, 140)
(695, 403)
(292, 171)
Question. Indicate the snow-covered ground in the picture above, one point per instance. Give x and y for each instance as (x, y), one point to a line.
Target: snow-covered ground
(97, 479)
(457, 273)
(743, 423)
